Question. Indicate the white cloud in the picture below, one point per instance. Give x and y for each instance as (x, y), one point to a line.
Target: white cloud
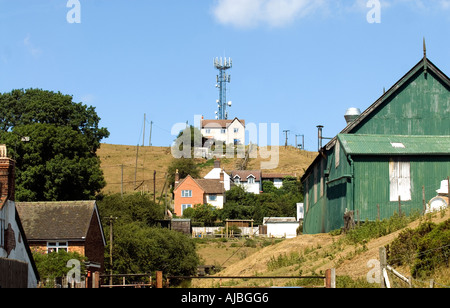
(252, 13)
(33, 50)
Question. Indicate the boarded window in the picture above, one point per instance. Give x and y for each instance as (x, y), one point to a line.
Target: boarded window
(400, 179)
(337, 154)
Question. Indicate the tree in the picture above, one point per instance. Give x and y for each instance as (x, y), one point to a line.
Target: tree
(59, 161)
(54, 265)
(185, 167)
(142, 249)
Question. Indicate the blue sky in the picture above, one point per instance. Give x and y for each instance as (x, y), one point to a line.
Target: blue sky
(299, 63)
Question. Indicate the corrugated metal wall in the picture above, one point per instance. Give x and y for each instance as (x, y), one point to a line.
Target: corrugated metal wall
(372, 184)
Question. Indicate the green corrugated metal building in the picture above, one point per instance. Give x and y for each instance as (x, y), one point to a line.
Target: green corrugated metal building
(397, 148)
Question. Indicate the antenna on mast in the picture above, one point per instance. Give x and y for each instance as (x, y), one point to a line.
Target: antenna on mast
(223, 64)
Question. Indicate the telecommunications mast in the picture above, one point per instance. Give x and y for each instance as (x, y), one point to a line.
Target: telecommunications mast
(222, 79)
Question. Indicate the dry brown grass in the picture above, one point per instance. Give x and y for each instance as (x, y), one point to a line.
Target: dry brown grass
(321, 252)
(157, 159)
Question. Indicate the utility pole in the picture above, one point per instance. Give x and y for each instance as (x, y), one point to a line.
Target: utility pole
(143, 132)
(150, 140)
(121, 183)
(111, 219)
(286, 143)
(154, 186)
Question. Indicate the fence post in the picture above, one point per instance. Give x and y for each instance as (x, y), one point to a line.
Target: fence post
(330, 278)
(159, 280)
(383, 264)
(95, 280)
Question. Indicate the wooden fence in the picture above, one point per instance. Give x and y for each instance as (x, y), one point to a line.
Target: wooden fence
(13, 274)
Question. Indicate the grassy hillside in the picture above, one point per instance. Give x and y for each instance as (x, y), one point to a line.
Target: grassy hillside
(150, 159)
(314, 254)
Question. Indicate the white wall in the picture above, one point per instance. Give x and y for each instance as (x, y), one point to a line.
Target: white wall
(19, 253)
(214, 174)
(282, 229)
(218, 203)
(240, 135)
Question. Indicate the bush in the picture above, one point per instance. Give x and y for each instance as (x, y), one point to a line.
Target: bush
(425, 248)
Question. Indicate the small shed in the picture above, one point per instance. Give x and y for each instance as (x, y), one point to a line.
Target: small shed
(281, 226)
(182, 225)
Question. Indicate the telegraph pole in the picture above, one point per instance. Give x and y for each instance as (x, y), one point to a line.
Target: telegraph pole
(111, 219)
(286, 143)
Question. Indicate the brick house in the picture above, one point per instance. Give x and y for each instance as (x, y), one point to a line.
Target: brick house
(190, 192)
(73, 226)
(17, 266)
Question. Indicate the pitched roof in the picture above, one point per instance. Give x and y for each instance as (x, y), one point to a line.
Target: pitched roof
(209, 186)
(67, 220)
(219, 123)
(244, 174)
(394, 145)
(423, 65)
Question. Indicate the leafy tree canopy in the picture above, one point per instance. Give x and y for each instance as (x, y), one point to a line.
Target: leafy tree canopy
(58, 160)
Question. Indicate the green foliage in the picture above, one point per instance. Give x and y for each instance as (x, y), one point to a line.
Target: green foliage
(142, 249)
(54, 265)
(185, 167)
(426, 248)
(139, 246)
(131, 208)
(59, 161)
(272, 203)
(374, 229)
(205, 214)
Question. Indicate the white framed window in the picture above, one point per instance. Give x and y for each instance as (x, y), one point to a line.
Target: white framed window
(185, 206)
(400, 179)
(251, 180)
(236, 130)
(208, 131)
(57, 246)
(223, 131)
(212, 197)
(237, 180)
(186, 194)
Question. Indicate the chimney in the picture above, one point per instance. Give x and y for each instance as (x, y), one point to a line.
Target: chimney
(177, 178)
(222, 176)
(7, 177)
(217, 163)
(320, 137)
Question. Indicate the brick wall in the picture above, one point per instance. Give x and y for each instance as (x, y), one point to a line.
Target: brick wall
(197, 195)
(7, 180)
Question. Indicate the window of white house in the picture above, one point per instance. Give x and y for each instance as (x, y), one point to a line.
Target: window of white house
(400, 179)
(186, 194)
(185, 206)
(237, 180)
(57, 246)
(208, 131)
(223, 131)
(251, 180)
(236, 130)
(212, 197)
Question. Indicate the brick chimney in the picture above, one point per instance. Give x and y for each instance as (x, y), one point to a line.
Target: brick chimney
(222, 176)
(177, 178)
(7, 177)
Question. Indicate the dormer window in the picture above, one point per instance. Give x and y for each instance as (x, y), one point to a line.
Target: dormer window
(251, 179)
(237, 180)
